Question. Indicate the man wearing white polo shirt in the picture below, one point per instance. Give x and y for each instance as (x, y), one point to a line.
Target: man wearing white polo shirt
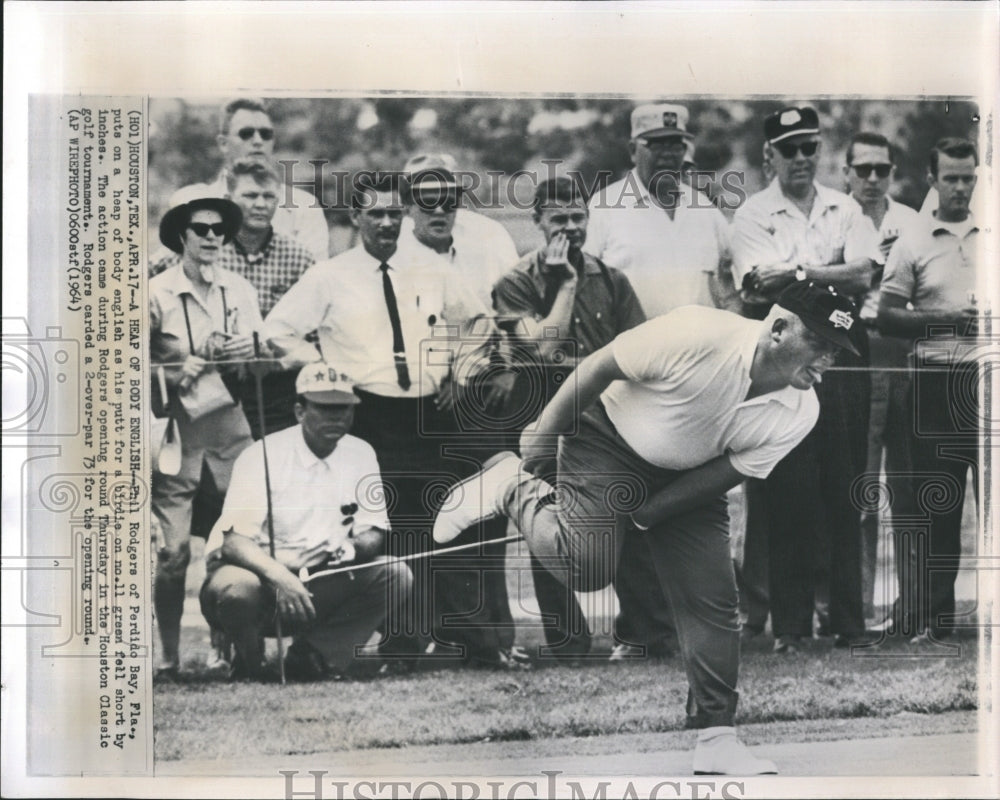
(668, 238)
(327, 514)
(650, 434)
(929, 296)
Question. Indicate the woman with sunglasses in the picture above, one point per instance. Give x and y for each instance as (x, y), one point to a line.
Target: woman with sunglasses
(200, 317)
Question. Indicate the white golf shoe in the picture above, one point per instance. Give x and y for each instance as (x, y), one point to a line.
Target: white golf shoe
(479, 497)
(720, 752)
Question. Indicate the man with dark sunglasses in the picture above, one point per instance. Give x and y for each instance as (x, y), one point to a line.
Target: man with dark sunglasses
(798, 228)
(868, 172)
(478, 249)
(246, 133)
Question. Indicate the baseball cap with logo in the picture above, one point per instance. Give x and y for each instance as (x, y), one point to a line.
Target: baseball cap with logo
(823, 311)
(660, 120)
(321, 383)
(791, 122)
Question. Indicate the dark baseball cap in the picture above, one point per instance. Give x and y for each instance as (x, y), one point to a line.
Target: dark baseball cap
(823, 311)
(791, 121)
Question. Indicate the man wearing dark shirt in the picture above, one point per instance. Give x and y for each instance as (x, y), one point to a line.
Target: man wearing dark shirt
(555, 300)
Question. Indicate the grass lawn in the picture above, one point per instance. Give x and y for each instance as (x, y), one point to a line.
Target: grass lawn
(206, 720)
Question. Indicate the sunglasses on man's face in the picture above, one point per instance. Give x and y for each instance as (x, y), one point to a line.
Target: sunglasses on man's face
(202, 228)
(671, 144)
(789, 149)
(864, 171)
(246, 134)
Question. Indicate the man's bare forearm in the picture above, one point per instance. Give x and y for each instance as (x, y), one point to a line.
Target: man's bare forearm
(693, 489)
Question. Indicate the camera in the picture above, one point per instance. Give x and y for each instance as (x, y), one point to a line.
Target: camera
(41, 381)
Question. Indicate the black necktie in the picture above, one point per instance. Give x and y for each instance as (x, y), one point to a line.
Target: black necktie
(398, 349)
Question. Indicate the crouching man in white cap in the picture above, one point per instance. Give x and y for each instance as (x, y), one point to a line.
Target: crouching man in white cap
(329, 514)
(664, 420)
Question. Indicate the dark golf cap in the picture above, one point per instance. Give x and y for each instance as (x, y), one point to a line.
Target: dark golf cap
(823, 311)
(791, 122)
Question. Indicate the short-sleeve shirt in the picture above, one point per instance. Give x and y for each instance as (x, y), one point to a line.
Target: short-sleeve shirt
(230, 307)
(898, 218)
(684, 402)
(605, 303)
(668, 261)
(933, 265)
(317, 502)
(770, 229)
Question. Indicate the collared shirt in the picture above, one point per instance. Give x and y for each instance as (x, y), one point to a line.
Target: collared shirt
(317, 502)
(769, 229)
(604, 305)
(668, 261)
(272, 270)
(898, 217)
(300, 219)
(230, 307)
(684, 402)
(481, 249)
(343, 300)
(933, 266)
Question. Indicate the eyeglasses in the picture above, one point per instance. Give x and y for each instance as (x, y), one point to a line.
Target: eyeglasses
(864, 171)
(789, 149)
(670, 143)
(246, 134)
(202, 228)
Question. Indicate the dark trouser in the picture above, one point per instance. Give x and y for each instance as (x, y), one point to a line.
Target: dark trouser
(814, 530)
(278, 389)
(644, 618)
(578, 535)
(349, 607)
(889, 434)
(944, 447)
(752, 574)
(459, 601)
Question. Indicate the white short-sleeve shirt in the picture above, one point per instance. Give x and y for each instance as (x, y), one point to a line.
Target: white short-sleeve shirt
(684, 402)
(317, 502)
(667, 261)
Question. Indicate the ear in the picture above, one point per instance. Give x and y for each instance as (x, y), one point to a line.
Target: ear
(355, 215)
(223, 142)
(631, 150)
(930, 179)
(778, 329)
(300, 411)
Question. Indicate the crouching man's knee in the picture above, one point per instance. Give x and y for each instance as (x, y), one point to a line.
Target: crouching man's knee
(232, 597)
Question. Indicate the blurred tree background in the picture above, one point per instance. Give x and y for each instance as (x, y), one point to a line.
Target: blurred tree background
(497, 137)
